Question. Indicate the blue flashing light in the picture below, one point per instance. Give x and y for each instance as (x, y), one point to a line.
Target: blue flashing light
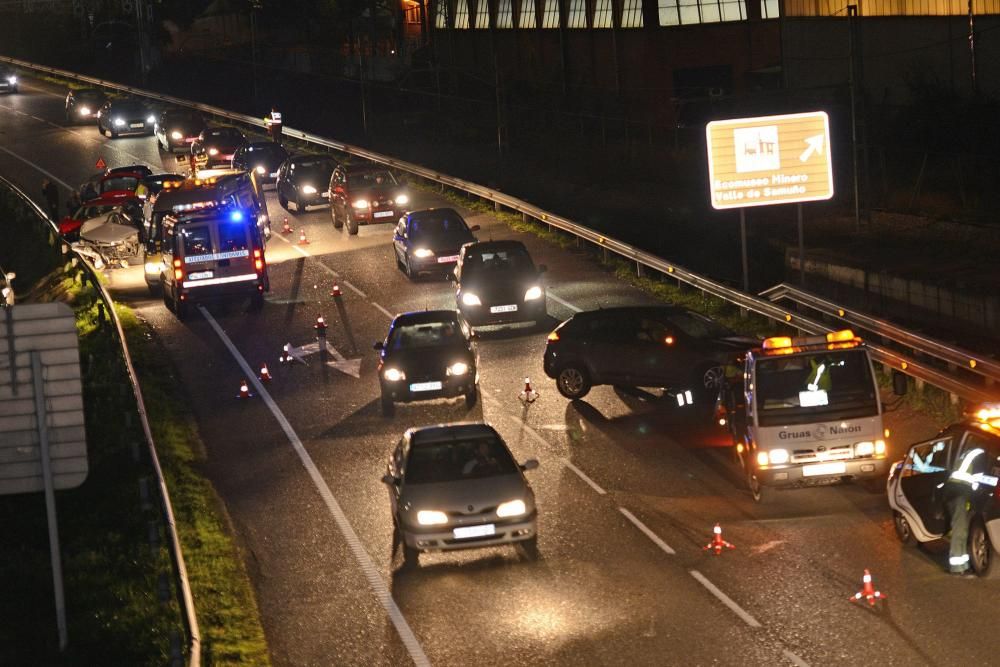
(236, 216)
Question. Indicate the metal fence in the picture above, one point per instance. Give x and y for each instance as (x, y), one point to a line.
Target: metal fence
(894, 359)
(185, 598)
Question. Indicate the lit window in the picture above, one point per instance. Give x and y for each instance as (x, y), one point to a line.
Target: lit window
(576, 16)
(441, 14)
(550, 13)
(602, 14)
(526, 17)
(504, 16)
(631, 14)
(462, 14)
(482, 14)
(668, 12)
(770, 9)
(689, 10)
(732, 10)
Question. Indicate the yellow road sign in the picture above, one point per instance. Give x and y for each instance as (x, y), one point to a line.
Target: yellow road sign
(769, 160)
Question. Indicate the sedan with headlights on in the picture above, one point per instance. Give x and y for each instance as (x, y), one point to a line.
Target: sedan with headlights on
(303, 180)
(262, 157)
(428, 354)
(428, 241)
(457, 486)
(215, 146)
(8, 79)
(177, 129)
(125, 115)
(82, 104)
(497, 283)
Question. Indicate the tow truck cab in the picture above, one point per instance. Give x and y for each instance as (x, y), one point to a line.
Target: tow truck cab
(805, 412)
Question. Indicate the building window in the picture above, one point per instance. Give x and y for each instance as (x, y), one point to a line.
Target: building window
(441, 14)
(505, 18)
(550, 13)
(631, 14)
(770, 9)
(576, 16)
(483, 14)
(602, 14)
(733, 10)
(687, 12)
(526, 17)
(462, 14)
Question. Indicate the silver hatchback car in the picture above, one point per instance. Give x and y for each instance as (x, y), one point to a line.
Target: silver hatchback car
(457, 486)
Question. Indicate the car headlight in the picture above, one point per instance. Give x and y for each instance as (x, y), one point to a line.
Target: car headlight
(260, 169)
(393, 374)
(534, 292)
(360, 203)
(84, 111)
(511, 508)
(401, 200)
(213, 151)
(423, 252)
(431, 517)
(119, 122)
(176, 136)
(470, 299)
(308, 189)
(458, 368)
(11, 79)
(773, 457)
(150, 119)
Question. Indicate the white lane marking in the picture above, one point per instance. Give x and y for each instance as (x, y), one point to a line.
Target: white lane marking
(563, 302)
(38, 168)
(583, 476)
(794, 659)
(545, 443)
(647, 532)
(359, 292)
(725, 599)
(384, 311)
(357, 549)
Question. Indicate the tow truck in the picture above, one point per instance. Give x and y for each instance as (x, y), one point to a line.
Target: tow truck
(806, 411)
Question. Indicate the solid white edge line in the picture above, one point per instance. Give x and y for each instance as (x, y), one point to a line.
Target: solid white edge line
(563, 302)
(725, 599)
(794, 659)
(579, 473)
(357, 549)
(37, 168)
(647, 532)
(384, 311)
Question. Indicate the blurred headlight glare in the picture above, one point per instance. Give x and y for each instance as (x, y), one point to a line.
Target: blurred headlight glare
(431, 518)
(261, 170)
(778, 456)
(423, 252)
(176, 136)
(511, 508)
(470, 299)
(393, 374)
(360, 203)
(308, 189)
(534, 292)
(864, 448)
(213, 151)
(119, 122)
(150, 119)
(402, 199)
(458, 368)
(84, 111)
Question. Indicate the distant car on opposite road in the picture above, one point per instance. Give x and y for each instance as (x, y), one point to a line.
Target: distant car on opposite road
(177, 129)
(362, 194)
(125, 116)
(428, 354)
(83, 104)
(215, 146)
(642, 346)
(303, 179)
(263, 157)
(430, 240)
(457, 486)
(8, 80)
(498, 283)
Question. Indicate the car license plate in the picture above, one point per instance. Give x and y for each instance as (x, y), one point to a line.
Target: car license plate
(449, 258)
(200, 275)
(135, 125)
(474, 531)
(838, 468)
(227, 157)
(425, 386)
(512, 308)
(383, 214)
(190, 140)
(274, 174)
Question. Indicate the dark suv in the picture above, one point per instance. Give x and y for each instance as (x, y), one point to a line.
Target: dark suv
(642, 346)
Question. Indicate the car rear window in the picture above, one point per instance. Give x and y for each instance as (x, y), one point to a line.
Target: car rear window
(431, 225)
(122, 183)
(425, 334)
(197, 240)
(471, 458)
(698, 326)
(371, 179)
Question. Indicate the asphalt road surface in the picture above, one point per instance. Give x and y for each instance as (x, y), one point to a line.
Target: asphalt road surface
(628, 488)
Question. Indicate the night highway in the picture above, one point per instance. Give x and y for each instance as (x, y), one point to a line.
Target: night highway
(628, 488)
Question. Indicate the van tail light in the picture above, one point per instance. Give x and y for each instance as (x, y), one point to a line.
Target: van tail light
(258, 260)
(178, 271)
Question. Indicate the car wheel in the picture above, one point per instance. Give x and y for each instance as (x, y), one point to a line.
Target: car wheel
(573, 382)
(283, 201)
(757, 491)
(352, 224)
(903, 530)
(337, 223)
(530, 547)
(411, 556)
(471, 397)
(981, 550)
(388, 406)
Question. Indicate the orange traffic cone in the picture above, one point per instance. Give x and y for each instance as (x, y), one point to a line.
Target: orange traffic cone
(320, 325)
(335, 292)
(285, 227)
(244, 390)
(302, 236)
(868, 591)
(528, 395)
(286, 355)
(265, 375)
(717, 543)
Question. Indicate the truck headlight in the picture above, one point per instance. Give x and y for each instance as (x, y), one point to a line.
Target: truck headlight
(534, 292)
(308, 189)
(772, 457)
(119, 122)
(470, 299)
(431, 518)
(864, 448)
(458, 368)
(360, 203)
(401, 200)
(511, 508)
(423, 252)
(176, 136)
(393, 374)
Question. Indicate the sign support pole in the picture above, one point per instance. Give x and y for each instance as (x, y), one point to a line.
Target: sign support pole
(802, 247)
(743, 247)
(50, 498)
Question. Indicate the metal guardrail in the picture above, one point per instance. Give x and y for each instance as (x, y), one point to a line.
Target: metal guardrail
(177, 556)
(765, 307)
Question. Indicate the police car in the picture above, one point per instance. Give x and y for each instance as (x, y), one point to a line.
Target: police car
(917, 491)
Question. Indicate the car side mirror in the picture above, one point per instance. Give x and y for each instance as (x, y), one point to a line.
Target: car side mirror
(530, 464)
(474, 228)
(542, 268)
(389, 479)
(899, 383)
(379, 345)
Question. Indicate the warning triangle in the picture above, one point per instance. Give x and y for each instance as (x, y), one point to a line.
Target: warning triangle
(101, 164)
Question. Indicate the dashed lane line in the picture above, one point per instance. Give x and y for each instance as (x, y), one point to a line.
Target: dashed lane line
(562, 459)
(794, 659)
(563, 302)
(725, 599)
(647, 532)
(383, 310)
(364, 560)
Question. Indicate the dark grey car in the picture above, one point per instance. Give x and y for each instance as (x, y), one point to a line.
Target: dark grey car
(429, 241)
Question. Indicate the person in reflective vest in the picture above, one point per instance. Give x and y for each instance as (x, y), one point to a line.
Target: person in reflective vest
(273, 123)
(960, 491)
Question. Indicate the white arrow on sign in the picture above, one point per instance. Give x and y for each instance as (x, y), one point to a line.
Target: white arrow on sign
(815, 146)
(350, 367)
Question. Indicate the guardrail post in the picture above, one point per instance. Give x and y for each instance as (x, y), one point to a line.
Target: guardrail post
(919, 384)
(638, 269)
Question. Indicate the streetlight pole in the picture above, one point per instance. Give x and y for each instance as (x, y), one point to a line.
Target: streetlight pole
(852, 15)
(254, 6)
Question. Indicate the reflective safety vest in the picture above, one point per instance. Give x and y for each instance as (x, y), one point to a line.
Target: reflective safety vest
(273, 119)
(963, 476)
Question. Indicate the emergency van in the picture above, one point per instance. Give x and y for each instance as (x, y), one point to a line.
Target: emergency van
(211, 254)
(209, 190)
(806, 411)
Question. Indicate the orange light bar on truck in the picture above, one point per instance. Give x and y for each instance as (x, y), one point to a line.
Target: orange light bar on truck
(777, 342)
(842, 336)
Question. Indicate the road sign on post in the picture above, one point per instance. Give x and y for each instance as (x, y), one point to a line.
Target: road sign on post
(769, 160)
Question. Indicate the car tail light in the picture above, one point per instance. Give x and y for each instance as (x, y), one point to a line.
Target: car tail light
(258, 260)
(178, 271)
(553, 337)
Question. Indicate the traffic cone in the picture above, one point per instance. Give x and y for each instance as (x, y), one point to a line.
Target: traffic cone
(868, 591)
(302, 236)
(285, 227)
(286, 355)
(335, 292)
(265, 375)
(528, 395)
(320, 325)
(244, 390)
(717, 543)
